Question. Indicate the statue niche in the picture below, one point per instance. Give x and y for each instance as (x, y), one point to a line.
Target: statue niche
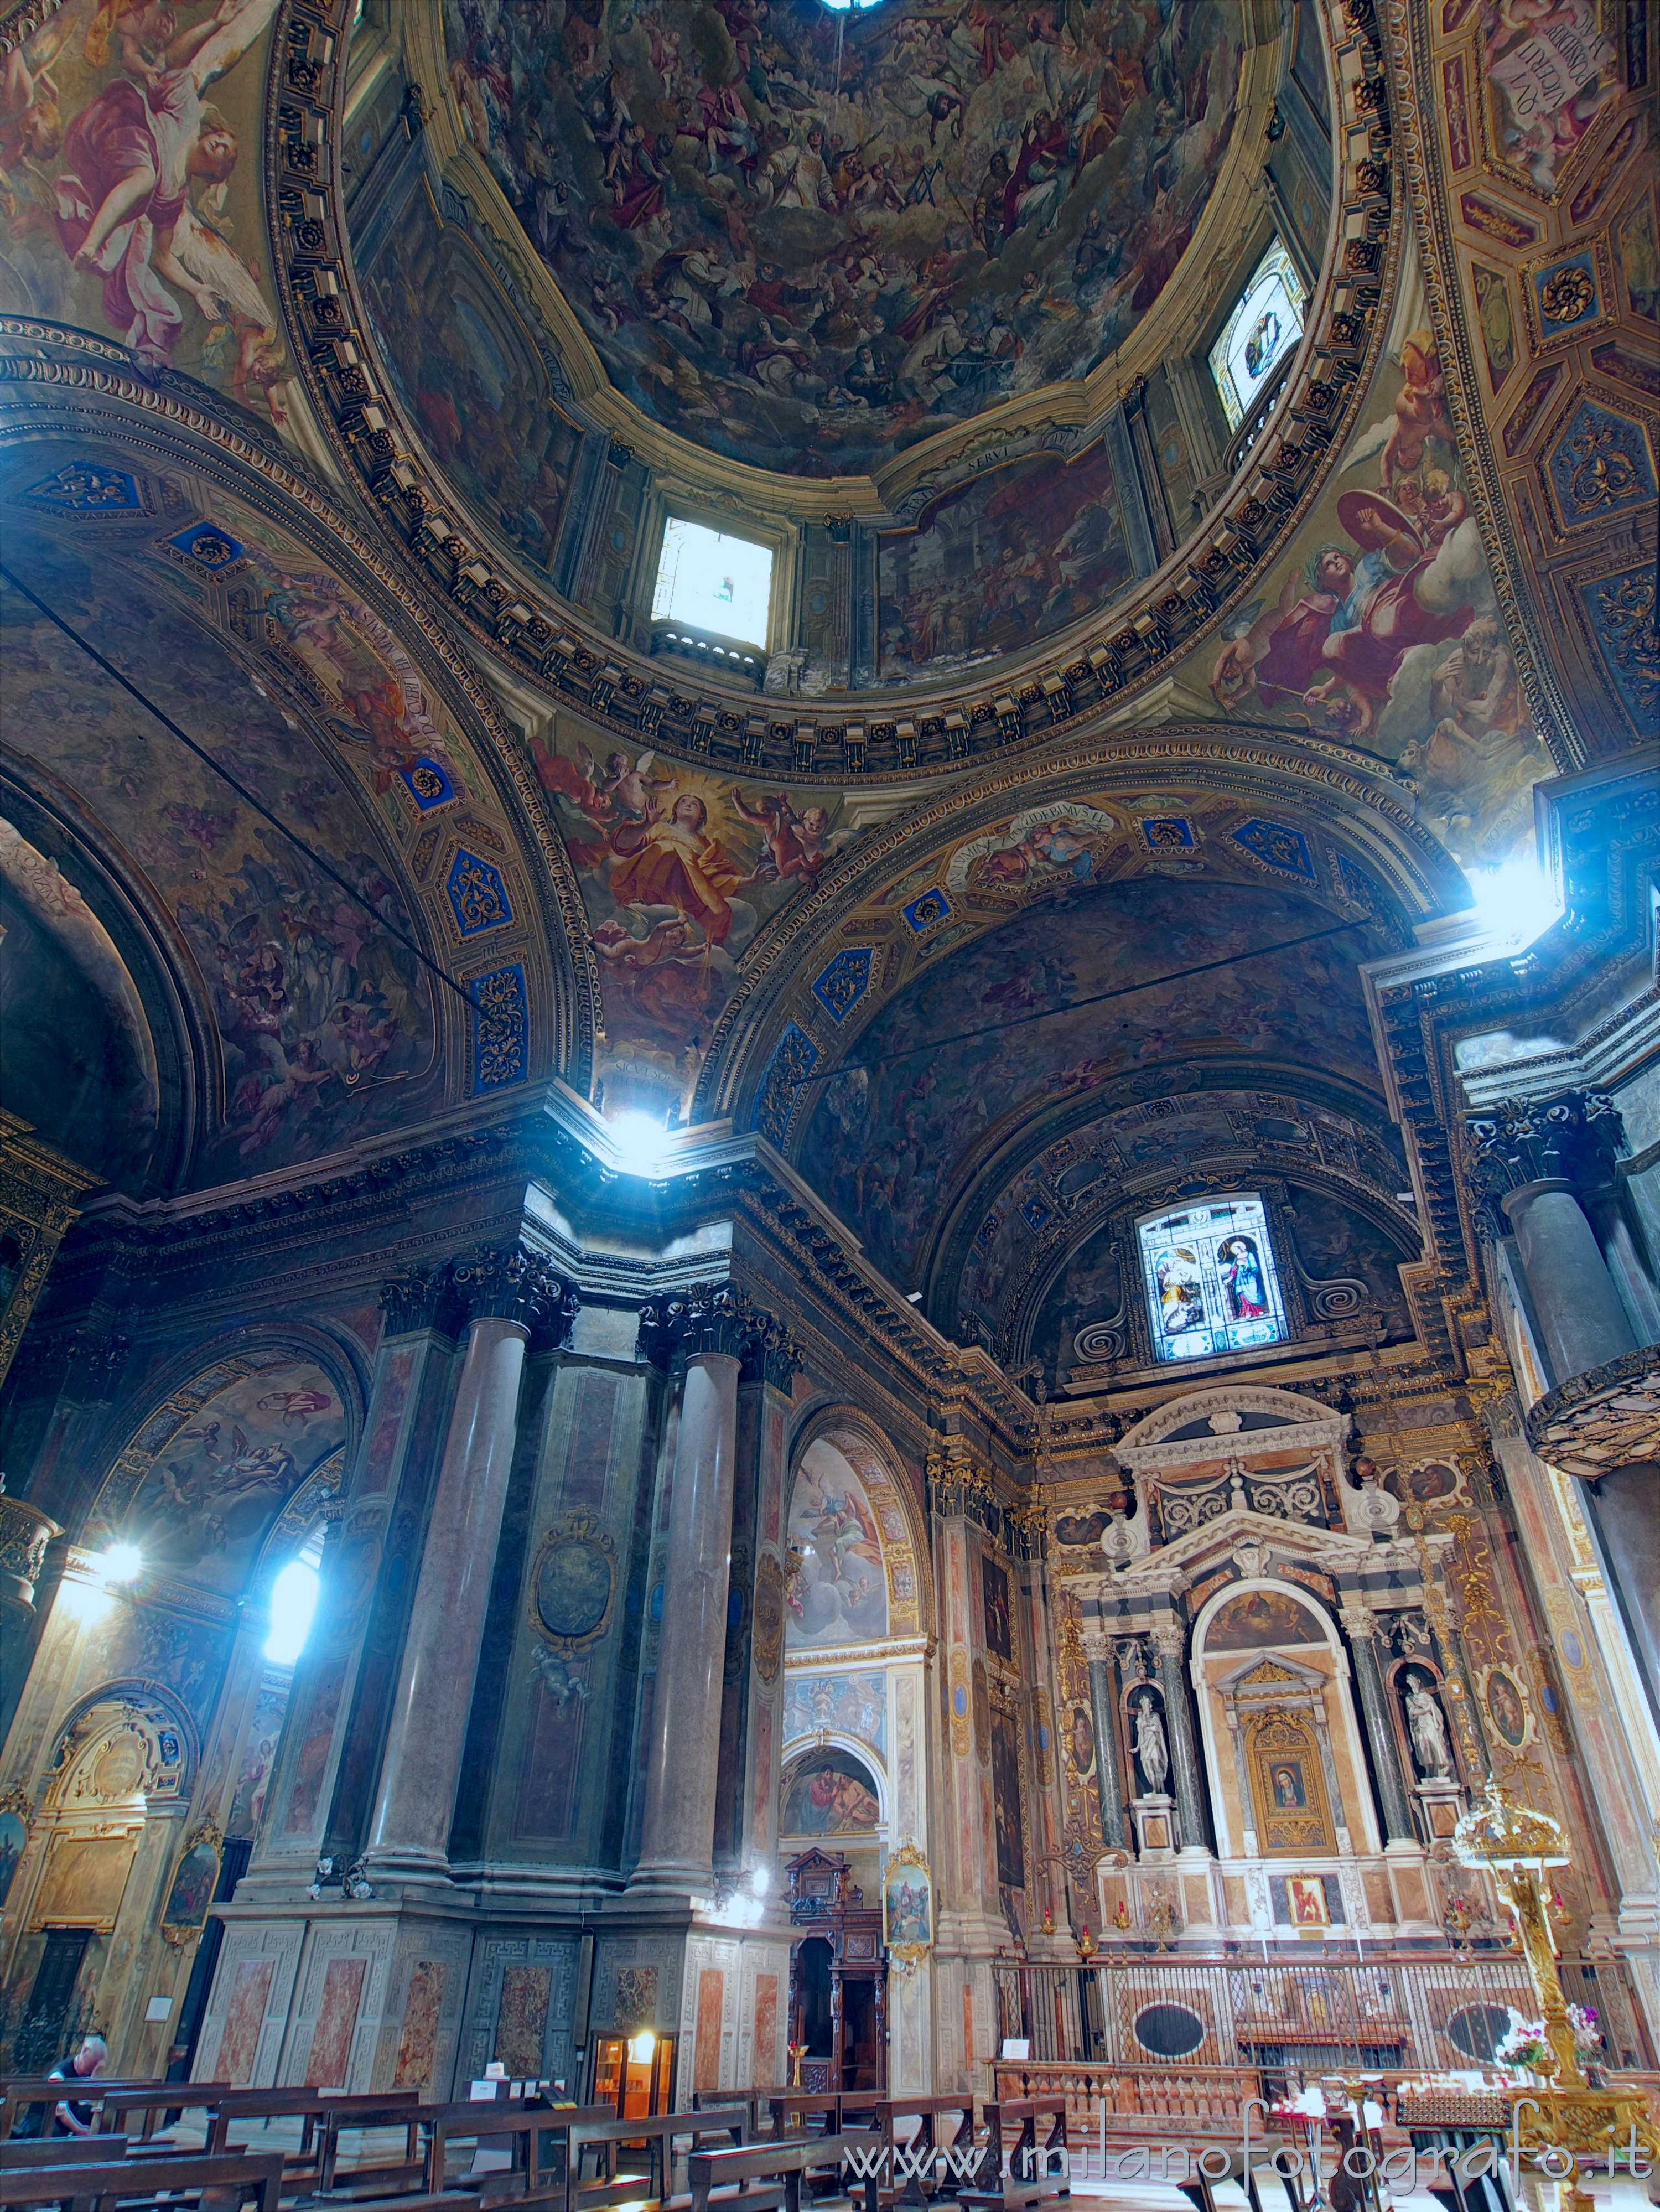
(1288, 1786)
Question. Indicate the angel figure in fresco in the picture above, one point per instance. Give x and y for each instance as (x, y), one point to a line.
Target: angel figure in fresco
(124, 206)
(31, 122)
(796, 846)
(672, 861)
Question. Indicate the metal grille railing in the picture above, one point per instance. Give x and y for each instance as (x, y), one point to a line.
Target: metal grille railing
(1304, 2018)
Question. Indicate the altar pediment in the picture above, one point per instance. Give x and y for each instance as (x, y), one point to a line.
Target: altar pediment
(1237, 1421)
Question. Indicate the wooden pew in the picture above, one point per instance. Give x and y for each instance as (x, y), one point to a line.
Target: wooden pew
(100, 2187)
(1036, 2171)
(911, 2159)
(759, 2176)
(319, 2139)
(21, 2091)
(61, 2150)
(655, 2137)
(794, 2112)
(153, 2099)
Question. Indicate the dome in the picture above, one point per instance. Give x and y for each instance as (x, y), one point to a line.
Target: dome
(809, 239)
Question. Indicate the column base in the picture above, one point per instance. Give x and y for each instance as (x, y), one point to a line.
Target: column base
(694, 1886)
(407, 1865)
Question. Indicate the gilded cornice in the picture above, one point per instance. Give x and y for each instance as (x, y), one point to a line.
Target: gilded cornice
(1100, 665)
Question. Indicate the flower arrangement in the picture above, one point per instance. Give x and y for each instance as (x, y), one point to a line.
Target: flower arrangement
(1527, 2047)
(1587, 2035)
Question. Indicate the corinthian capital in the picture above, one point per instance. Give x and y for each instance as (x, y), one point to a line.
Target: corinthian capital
(718, 1317)
(509, 1282)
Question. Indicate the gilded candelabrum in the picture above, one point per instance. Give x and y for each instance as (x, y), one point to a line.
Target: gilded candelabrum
(1565, 2115)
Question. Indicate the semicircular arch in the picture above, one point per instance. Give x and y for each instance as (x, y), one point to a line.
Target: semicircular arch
(850, 1506)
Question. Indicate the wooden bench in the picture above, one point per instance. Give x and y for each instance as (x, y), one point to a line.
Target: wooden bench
(319, 2139)
(655, 2137)
(21, 2092)
(154, 2098)
(805, 2111)
(911, 2160)
(61, 2150)
(759, 2176)
(100, 2187)
(1036, 2172)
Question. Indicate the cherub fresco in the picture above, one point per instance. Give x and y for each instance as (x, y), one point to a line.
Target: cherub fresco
(218, 1485)
(679, 870)
(804, 242)
(322, 1009)
(119, 176)
(1384, 631)
(1548, 68)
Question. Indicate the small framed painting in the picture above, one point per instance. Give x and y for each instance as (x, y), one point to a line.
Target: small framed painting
(193, 1880)
(907, 1906)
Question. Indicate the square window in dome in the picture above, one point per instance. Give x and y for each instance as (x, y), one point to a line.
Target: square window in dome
(1265, 326)
(711, 581)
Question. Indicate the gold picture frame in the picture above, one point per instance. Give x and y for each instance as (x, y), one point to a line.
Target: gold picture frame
(195, 1877)
(908, 1914)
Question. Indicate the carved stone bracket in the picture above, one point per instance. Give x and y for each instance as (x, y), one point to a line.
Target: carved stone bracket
(1608, 1419)
(25, 1532)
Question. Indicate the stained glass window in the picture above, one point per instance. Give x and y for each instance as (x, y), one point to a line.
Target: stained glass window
(1211, 1282)
(1263, 328)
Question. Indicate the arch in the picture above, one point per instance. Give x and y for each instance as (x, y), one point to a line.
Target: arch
(228, 1452)
(134, 1703)
(1260, 1675)
(833, 1791)
(851, 1449)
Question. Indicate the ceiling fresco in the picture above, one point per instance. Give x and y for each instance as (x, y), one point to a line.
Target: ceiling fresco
(806, 239)
(1530, 139)
(1382, 626)
(679, 869)
(324, 919)
(1097, 980)
(130, 146)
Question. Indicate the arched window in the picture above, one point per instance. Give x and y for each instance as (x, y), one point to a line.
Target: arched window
(1211, 1282)
(292, 1602)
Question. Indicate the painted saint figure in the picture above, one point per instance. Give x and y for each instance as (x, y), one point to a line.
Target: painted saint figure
(1243, 1285)
(1181, 1300)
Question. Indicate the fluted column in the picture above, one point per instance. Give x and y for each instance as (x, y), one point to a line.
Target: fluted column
(1360, 1627)
(1168, 1641)
(506, 1291)
(708, 1330)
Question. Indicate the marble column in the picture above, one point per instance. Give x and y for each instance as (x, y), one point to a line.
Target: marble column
(1168, 1642)
(1360, 1627)
(506, 1291)
(1574, 1298)
(677, 1839)
(1102, 1705)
